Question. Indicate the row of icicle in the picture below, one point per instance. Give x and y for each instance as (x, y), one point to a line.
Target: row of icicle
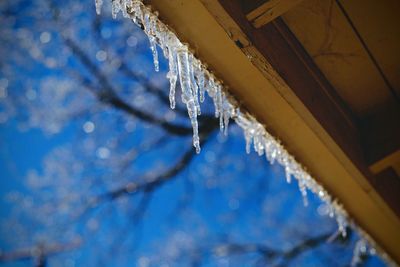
(195, 80)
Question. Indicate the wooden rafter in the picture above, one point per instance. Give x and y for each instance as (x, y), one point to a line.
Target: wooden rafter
(270, 10)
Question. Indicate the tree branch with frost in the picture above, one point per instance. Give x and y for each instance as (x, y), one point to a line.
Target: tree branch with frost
(39, 253)
(150, 184)
(134, 221)
(153, 183)
(304, 246)
(268, 255)
(148, 187)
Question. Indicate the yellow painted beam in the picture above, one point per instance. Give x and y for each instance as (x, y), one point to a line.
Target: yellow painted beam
(208, 29)
(269, 11)
(392, 160)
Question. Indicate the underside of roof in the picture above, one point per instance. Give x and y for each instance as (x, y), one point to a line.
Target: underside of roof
(323, 76)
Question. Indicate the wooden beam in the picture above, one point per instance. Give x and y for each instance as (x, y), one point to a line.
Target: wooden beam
(390, 161)
(211, 28)
(269, 11)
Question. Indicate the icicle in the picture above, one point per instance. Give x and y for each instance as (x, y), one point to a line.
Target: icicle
(303, 191)
(221, 122)
(258, 142)
(226, 123)
(331, 211)
(261, 142)
(123, 7)
(115, 8)
(172, 75)
(187, 93)
(162, 35)
(201, 82)
(99, 4)
(149, 29)
(227, 114)
(172, 86)
(219, 107)
(247, 127)
(288, 174)
(136, 12)
(218, 100)
(152, 38)
(212, 89)
(195, 88)
(267, 145)
(281, 156)
(247, 137)
(126, 5)
(273, 155)
(342, 224)
(360, 249)
(155, 53)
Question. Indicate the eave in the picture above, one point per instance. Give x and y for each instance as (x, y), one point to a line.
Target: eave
(278, 83)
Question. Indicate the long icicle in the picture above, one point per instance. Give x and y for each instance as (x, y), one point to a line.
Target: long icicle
(188, 96)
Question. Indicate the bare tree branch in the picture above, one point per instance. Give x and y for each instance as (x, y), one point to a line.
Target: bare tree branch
(151, 184)
(268, 255)
(40, 252)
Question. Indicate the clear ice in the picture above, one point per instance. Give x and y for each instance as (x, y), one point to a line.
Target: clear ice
(98, 4)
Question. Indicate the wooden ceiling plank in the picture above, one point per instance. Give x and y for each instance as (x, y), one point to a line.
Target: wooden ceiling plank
(389, 85)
